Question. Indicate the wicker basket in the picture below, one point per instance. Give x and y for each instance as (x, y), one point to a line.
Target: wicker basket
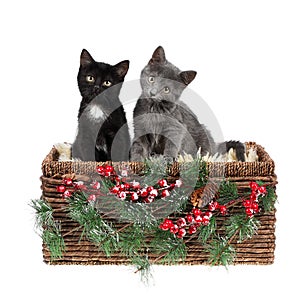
(258, 250)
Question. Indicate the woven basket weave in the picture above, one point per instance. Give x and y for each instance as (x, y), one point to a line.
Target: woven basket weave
(258, 250)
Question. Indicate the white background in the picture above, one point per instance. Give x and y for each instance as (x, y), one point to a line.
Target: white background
(247, 55)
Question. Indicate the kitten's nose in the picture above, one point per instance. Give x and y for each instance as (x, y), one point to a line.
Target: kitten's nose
(153, 92)
(96, 88)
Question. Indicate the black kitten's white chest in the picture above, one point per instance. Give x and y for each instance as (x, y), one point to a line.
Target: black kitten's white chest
(94, 113)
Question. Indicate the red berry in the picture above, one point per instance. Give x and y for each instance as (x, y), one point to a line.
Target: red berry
(162, 183)
(134, 196)
(115, 190)
(100, 170)
(143, 192)
(192, 229)
(181, 233)
(223, 209)
(213, 206)
(60, 189)
(150, 188)
(198, 219)
(205, 220)
(249, 212)
(68, 181)
(253, 186)
(165, 193)
(67, 194)
(247, 203)
(154, 193)
(253, 196)
(164, 226)
(174, 229)
(255, 207)
(172, 186)
(181, 222)
(149, 199)
(109, 169)
(196, 211)
(189, 218)
(122, 195)
(262, 190)
(126, 186)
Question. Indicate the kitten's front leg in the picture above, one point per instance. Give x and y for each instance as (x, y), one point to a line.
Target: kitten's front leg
(139, 149)
(172, 148)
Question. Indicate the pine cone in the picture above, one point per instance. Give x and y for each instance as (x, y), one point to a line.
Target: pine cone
(202, 196)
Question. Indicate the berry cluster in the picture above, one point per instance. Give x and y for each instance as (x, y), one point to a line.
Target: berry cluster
(251, 204)
(122, 189)
(188, 224)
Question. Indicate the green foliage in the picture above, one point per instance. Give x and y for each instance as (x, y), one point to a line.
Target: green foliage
(228, 191)
(220, 252)
(269, 199)
(206, 232)
(54, 241)
(49, 228)
(241, 226)
(168, 247)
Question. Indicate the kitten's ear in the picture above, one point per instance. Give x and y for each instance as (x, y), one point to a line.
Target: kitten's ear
(85, 58)
(187, 76)
(122, 68)
(158, 56)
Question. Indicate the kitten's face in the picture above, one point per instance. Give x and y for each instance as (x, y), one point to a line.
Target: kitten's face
(161, 80)
(95, 77)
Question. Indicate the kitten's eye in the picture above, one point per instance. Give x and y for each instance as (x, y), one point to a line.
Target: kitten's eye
(106, 83)
(90, 78)
(151, 79)
(166, 90)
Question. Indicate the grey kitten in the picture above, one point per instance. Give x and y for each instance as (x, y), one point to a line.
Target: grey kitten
(163, 124)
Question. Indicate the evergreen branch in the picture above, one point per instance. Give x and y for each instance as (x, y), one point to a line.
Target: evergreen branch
(269, 199)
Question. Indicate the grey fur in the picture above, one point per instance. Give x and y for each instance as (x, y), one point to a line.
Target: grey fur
(163, 124)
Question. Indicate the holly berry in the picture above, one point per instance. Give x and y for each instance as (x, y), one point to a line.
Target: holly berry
(143, 192)
(122, 195)
(174, 229)
(262, 190)
(109, 169)
(150, 188)
(247, 203)
(196, 211)
(162, 183)
(115, 190)
(61, 189)
(192, 229)
(253, 185)
(68, 181)
(223, 210)
(181, 222)
(181, 233)
(154, 193)
(67, 194)
(134, 196)
(100, 170)
(165, 193)
(149, 199)
(189, 218)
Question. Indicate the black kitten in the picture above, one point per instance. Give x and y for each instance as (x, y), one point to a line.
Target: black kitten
(103, 133)
(163, 124)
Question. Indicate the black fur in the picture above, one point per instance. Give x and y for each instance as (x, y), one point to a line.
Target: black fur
(102, 124)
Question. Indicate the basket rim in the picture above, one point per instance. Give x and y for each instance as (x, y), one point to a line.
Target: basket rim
(263, 167)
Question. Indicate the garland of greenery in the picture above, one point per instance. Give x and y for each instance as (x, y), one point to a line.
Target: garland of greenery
(144, 206)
